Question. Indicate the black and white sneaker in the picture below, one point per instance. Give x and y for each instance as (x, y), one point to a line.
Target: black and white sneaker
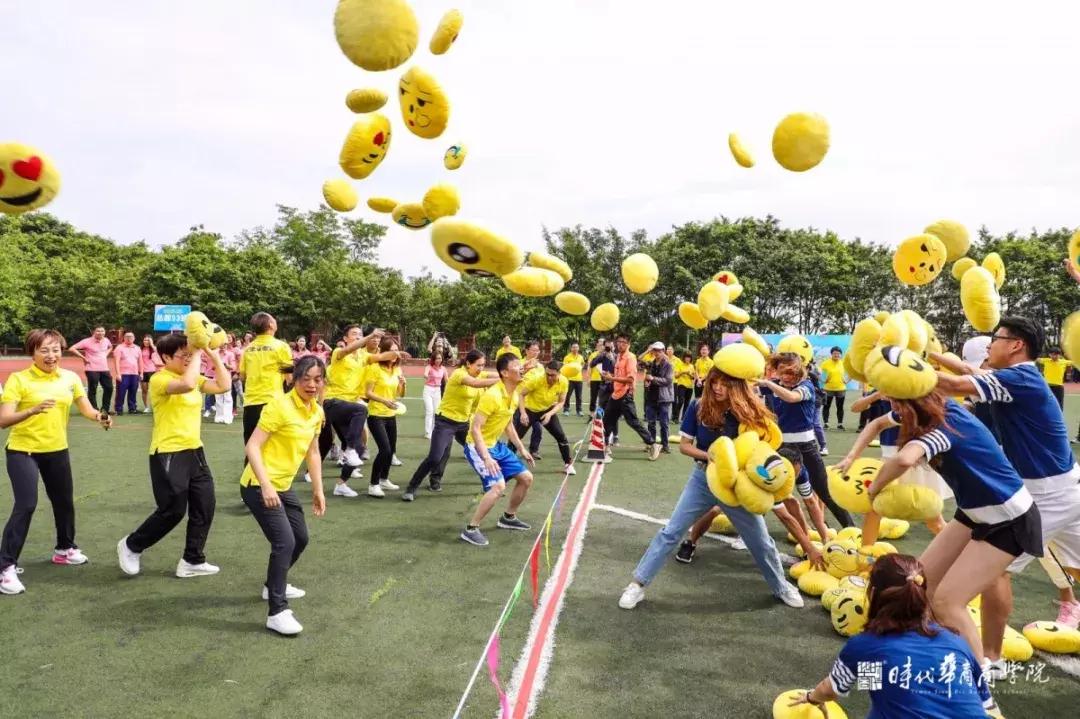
(474, 537)
(435, 485)
(506, 522)
(686, 552)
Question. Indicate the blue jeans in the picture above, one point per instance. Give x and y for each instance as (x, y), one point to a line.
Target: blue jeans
(658, 412)
(695, 500)
(819, 430)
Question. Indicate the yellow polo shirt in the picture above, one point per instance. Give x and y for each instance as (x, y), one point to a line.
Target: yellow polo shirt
(292, 425)
(384, 384)
(540, 395)
(177, 421)
(703, 365)
(459, 398)
(263, 361)
(594, 372)
(45, 432)
(511, 349)
(498, 407)
(680, 366)
(577, 361)
(834, 375)
(1053, 371)
(345, 375)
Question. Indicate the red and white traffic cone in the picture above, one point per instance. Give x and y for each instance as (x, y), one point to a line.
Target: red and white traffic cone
(597, 451)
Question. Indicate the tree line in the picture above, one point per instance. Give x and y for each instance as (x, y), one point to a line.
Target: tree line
(316, 272)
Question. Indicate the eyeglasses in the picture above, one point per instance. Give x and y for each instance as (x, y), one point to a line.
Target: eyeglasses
(993, 338)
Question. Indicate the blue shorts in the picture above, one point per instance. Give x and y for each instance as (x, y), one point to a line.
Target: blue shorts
(509, 464)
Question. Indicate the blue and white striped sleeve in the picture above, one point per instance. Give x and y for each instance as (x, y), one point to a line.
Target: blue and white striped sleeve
(991, 388)
(806, 393)
(935, 443)
(841, 677)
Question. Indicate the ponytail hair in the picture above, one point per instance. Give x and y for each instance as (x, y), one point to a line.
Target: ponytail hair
(898, 598)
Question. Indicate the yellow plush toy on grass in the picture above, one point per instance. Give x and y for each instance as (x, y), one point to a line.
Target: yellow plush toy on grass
(796, 344)
(851, 489)
(691, 316)
(841, 557)
(816, 582)
(739, 360)
(539, 258)
(367, 99)
(447, 32)
(953, 235)
(980, 300)
(1053, 637)
(365, 146)
(442, 200)
(739, 151)
(424, 106)
(533, 282)
(340, 195)
(202, 333)
(919, 260)
(850, 583)
(712, 300)
(410, 215)
(781, 708)
(28, 179)
(900, 373)
(474, 250)
(376, 34)
(572, 303)
(454, 156)
(640, 273)
(849, 613)
(605, 317)
(722, 525)
(800, 141)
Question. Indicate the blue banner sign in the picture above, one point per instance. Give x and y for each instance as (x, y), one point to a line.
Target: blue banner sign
(169, 318)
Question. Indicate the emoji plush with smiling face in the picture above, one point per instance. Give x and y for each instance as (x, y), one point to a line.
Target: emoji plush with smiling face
(28, 179)
(365, 146)
(376, 34)
(849, 613)
(919, 260)
(454, 156)
(411, 215)
(473, 250)
(424, 106)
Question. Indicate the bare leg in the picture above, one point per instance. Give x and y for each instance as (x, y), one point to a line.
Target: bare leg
(816, 508)
(935, 525)
(702, 525)
(980, 566)
(486, 503)
(522, 482)
(997, 604)
(871, 524)
(942, 551)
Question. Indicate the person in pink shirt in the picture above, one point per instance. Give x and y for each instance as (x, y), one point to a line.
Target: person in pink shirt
(322, 351)
(151, 363)
(223, 403)
(206, 369)
(94, 352)
(127, 371)
(301, 349)
(434, 374)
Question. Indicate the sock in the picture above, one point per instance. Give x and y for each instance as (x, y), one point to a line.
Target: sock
(471, 527)
(507, 515)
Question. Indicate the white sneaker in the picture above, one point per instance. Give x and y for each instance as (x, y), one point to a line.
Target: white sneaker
(995, 670)
(356, 474)
(185, 569)
(608, 458)
(375, 490)
(9, 581)
(569, 469)
(218, 421)
(395, 462)
(335, 453)
(350, 457)
(739, 544)
(824, 451)
(146, 410)
(632, 595)
(284, 623)
(291, 592)
(790, 596)
(206, 414)
(129, 560)
(307, 477)
(388, 485)
(344, 490)
(69, 556)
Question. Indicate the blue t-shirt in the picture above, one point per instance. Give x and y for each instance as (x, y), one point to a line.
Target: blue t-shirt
(1030, 424)
(702, 434)
(986, 486)
(909, 675)
(890, 436)
(795, 418)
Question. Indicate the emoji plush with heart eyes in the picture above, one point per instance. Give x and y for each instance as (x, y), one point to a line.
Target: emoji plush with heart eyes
(365, 146)
(424, 106)
(28, 179)
(919, 260)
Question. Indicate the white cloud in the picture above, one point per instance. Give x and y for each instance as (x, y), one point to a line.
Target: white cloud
(163, 115)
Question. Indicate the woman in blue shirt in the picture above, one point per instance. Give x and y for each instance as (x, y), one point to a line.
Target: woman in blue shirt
(910, 665)
(725, 403)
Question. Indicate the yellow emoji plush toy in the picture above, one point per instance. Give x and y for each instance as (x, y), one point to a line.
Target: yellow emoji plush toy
(918, 332)
(640, 273)
(851, 371)
(796, 344)
(367, 99)
(424, 106)
(365, 146)
(340, 195)
(850, 583)
(841, 557)
(800, 141)
(770, 433)
(1070, 338)
(410, 215)
(726, 277)
(385, 205)
(736, 315)
(781, 708)
(712, 300)
(900, 373)
(739, 151)
(202, 333)
(28, 179)
(953, 235)
(722, 470)
(722, 525)
(919, 260)
(768, 470)
(752, 338)
(980, 300)
(376, 34)
(753, 498)
(474, 250)
(691, 316)
(993, 264)
(961, 266)
(605, 317)
(890, 528)
(863, 340)
(816, 582)
(851, 489)
(739, 360)
(441, 200)
(1053, 637)
(910, 502)
(849, 613)
(454, 156)
(533, 282)
(572, 303)
(539, 258)
(447, 32)
(1074, 250)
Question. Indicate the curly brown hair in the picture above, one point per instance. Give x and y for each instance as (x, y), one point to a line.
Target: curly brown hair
(742, 401)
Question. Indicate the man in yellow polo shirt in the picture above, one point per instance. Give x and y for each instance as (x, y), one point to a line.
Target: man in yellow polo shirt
(179, 474)
(540, 400)
(595, 382)
(835, 386)
(507, 346)
(575, 361)
(262, 369)
(1053, 371)
(489, 455)
(702, 365)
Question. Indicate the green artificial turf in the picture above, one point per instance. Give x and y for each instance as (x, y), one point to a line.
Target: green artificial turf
(398, 609)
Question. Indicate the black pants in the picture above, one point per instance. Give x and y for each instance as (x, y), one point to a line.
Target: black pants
(594, 394)
(384, 431)
(554, 428)
(285, 529)
(23, 469)
(182, 484)
(347, 420)
(682, 401)
(698, 388)
(93, 379)
(573, 392)
(830, 397)
(1058, 390)
(819, 479)
(624, 407)
(252, 412)
(443, 434)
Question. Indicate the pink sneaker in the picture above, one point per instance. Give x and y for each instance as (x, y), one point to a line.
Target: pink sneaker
(68, 556)
(1069, 614)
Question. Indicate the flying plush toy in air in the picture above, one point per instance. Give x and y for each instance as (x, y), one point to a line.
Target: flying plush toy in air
(1074, 250)
(410, 215)
(993, 264)
(202, 333)
(605, 317)
(919, 260)
(1070, 338)
(454, 156)
(961, 266)
(739, 151)
(447, 32)
(712, 300)
(800, 141)
(782, 709)
(376, 34)
(953, 235)
(863, 339)
(739, 360)
(691, 316)
(28, 179)
(796, 344)
(367, 99)
(752, 338)
(424, 106)
(640, 273)
(533, 282)
(474, 250)
(539, 258)
(572, 303)
(340, 195)
(365, 146)
(384, 205)
(980, 300)
(441, 200)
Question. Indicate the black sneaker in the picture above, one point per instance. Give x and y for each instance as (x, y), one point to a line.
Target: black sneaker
(840, 428)
(665, 450)
(686, 552)
(511, 523)
(436, 485)
(536, 456)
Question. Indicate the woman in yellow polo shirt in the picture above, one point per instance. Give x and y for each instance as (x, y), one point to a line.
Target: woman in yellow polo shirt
(702, 365)
(261, 368)
(287, 434)
(684, 385)
(383, 384)
(463, 389)
(576, 361)
(35, 404)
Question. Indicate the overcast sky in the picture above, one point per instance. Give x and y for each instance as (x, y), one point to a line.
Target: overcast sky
(162, 115)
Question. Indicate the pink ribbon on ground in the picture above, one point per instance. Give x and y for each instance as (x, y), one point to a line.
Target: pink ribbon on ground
(493, 674)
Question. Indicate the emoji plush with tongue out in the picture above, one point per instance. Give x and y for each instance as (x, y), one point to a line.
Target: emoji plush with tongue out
(28, 179)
